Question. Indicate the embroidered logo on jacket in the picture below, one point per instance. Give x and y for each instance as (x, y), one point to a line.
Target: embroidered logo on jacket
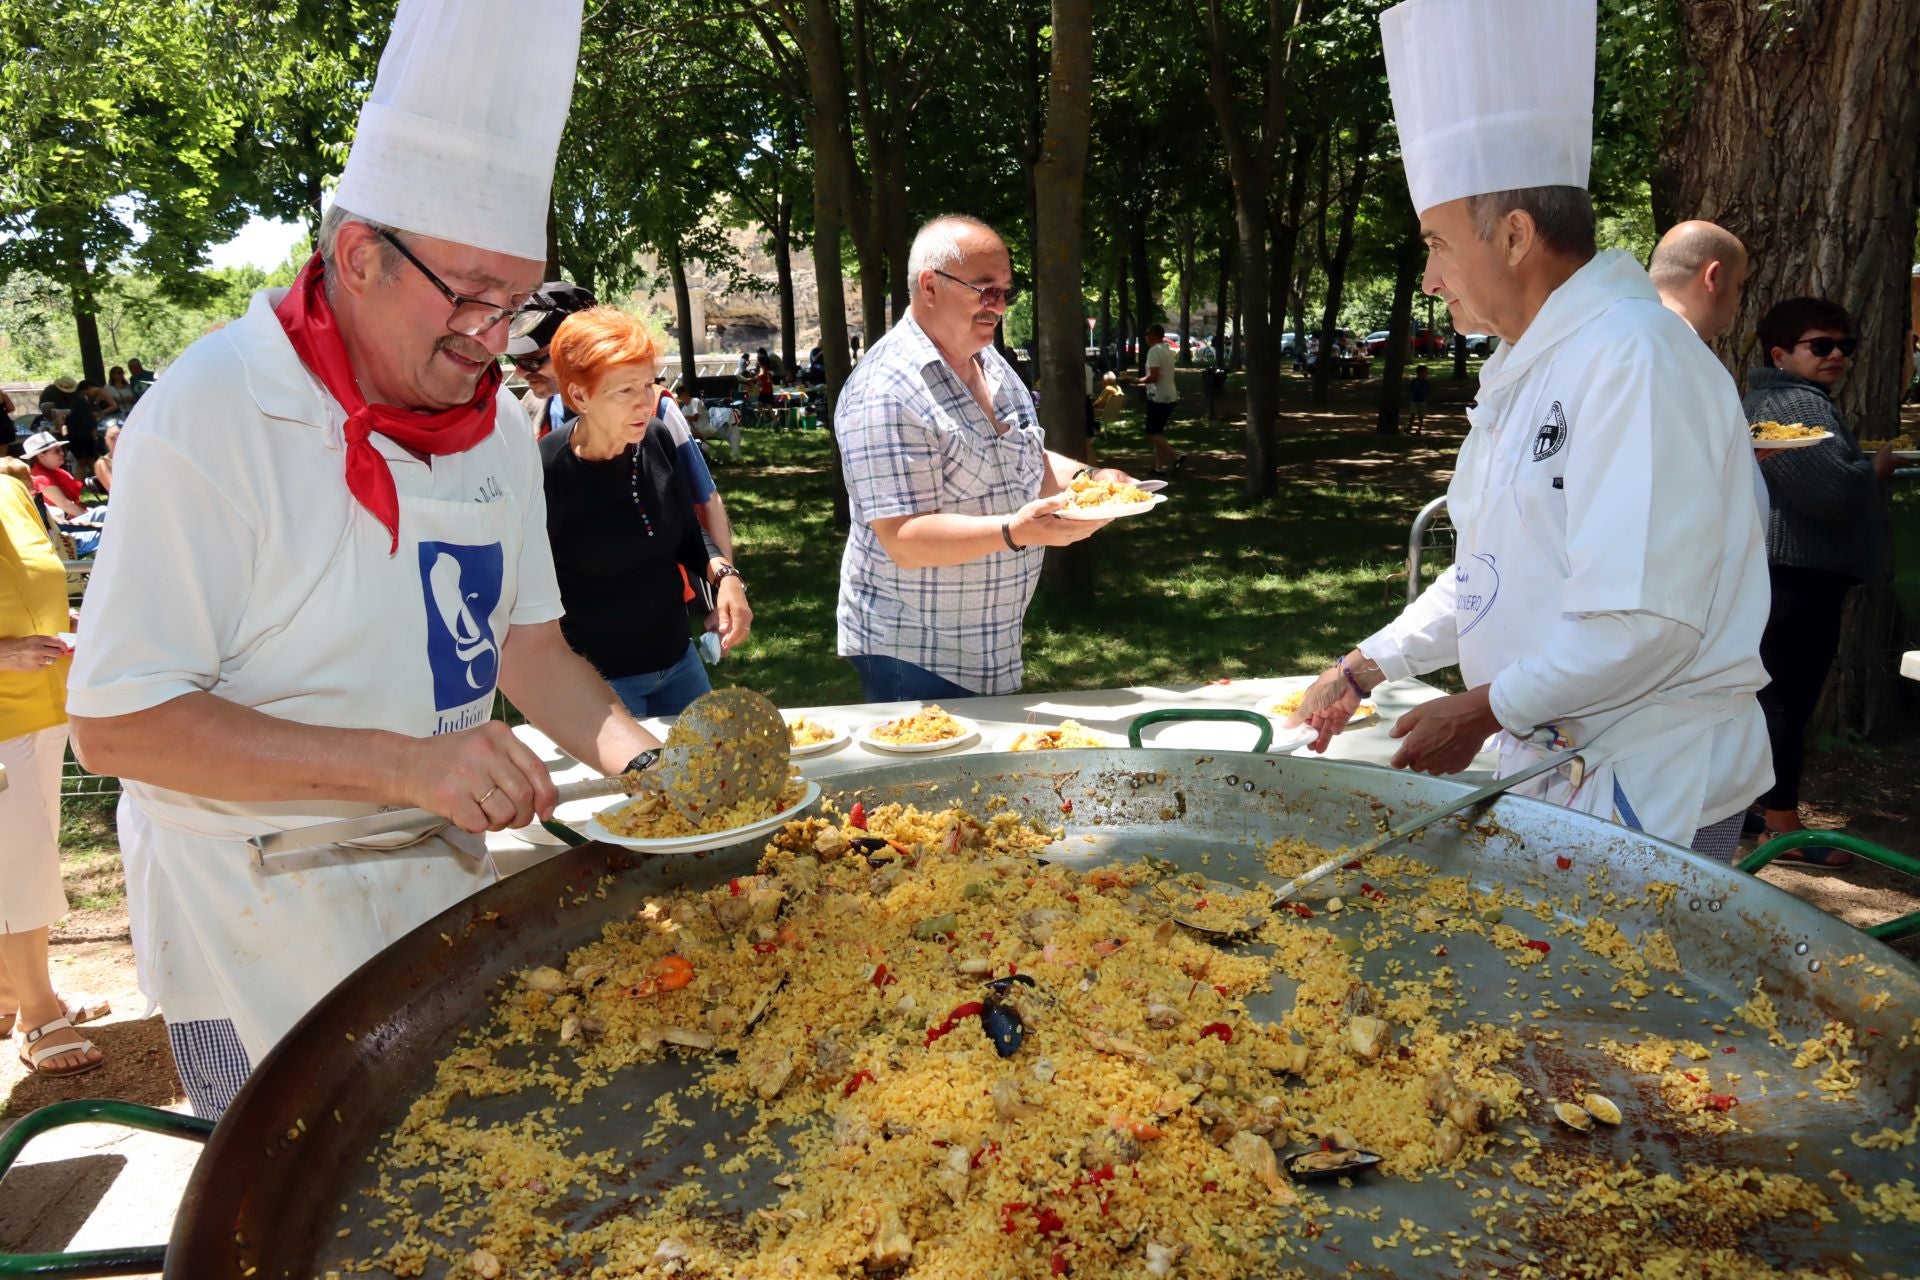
(461, 587)
(1552, 434)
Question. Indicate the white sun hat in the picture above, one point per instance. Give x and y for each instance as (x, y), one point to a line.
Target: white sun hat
(457, 139)
(1491, 95)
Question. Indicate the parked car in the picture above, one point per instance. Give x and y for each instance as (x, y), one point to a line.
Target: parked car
(1377, 342)
(1481, 344)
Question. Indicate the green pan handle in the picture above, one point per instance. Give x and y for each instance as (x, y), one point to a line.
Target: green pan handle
(1235, 714)
(134, 1261)
(1887, 931)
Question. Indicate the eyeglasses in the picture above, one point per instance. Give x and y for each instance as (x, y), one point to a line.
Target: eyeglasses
(989, 296)
(532, 363)
(1824, 347)
(470, 317)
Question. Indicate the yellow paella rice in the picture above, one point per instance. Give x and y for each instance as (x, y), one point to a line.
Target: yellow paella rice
(928, 724)
(1066, 734)
(1287, 703)
(803, 732)
(1785, 431)
(936, 1054)
(650, 816)
(1085, 492)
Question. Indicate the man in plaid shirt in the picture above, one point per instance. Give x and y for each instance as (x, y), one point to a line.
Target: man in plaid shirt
(953, 491)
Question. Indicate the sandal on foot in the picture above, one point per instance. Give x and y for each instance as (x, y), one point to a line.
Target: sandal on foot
(1818, 857)
(81, 1007)
(33, 1057)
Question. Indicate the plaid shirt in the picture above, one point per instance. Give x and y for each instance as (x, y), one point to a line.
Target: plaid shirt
(914, 441)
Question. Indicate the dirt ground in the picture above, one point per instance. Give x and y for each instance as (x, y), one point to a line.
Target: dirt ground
(1869, 790)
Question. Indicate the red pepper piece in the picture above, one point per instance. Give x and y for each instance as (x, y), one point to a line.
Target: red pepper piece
(1722, 1101)
(733, 887)
(1200, 905)
(1209, 1186)
(1301, 909)
(1047, 1222)
(1354, 865)
(991, 1149)
(766, 948)
(1057, 1265)
(852, 1086)
(1536, 945)
(881, 978)
(857, 816)
(971, 1009)
(1219, 989)
(1726, 1048)
(1066, 806)
(1563, 862)
(1008, 1211)
(1219, 1031)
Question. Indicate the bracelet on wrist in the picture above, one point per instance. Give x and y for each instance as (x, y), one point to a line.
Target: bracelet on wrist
(1348, 677)
(1006, 535)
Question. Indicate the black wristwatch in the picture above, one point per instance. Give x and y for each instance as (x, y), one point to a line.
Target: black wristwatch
(1084, 471)
(726, 571)
(642, 762)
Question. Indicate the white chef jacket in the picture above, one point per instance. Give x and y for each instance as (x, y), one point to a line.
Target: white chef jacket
(1610, 573)
(239, 564)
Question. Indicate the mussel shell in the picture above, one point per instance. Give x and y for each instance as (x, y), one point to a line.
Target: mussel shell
(1352, 1161)
(1003, 1026)
(999, 987)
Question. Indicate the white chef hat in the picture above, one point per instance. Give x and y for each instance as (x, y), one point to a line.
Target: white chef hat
(1491, 95)
(457, 139)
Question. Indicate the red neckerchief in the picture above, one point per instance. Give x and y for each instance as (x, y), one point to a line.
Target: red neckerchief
(308, 318)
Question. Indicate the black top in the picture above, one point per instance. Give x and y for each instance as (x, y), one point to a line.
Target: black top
(626, 611)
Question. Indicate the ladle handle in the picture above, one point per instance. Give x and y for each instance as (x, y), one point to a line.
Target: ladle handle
(396, 822)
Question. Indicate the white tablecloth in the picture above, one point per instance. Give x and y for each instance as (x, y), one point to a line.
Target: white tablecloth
(1111, 710)
(1910, 664)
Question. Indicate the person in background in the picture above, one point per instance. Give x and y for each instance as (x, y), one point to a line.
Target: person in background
(953, 491)
(1108, 405)
(139, 377)
(626, 541)
(120, 390)
(103, 465)
(816, 367)
(99, 398)
(763, 384)
(67, 410)
(552, 302)
(1823, 539)
(708, 424)
(8, 432)
(1163, 396)
(771, 363)
(33, 745)
(57, 486)
(1418, 391)
(1700, 269)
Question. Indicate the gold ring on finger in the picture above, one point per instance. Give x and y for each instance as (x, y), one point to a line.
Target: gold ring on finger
(482, 801)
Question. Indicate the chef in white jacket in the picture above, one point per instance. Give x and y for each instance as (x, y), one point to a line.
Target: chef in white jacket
(1610, 582)
(330, 548)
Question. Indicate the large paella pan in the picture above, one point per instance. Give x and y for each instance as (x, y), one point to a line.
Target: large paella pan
(1761, 1057)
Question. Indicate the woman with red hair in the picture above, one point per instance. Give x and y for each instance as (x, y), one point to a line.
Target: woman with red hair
(626, 542)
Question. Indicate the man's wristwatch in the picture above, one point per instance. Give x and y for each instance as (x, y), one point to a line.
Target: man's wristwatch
(726, 571)
(642, 762)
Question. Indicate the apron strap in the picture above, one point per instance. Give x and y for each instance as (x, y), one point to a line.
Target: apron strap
(1625, 810)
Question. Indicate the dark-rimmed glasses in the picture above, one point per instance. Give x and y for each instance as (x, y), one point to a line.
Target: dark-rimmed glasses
(532, 363)
(1824, 347)
(470, 316)
(990, 296)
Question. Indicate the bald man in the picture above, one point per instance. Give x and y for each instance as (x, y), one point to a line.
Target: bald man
(1700, 269)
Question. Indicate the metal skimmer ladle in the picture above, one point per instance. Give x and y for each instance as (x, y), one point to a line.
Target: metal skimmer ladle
(728, 747)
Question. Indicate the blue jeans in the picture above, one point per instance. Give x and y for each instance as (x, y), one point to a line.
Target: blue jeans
(664, 693)
(884, 679)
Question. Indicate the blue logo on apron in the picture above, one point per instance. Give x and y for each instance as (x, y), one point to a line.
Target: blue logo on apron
(462, 588)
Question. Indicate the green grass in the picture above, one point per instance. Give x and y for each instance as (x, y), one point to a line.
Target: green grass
(90, 854)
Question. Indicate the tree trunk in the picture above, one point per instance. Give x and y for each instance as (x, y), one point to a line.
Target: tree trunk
(1143, 282)
(1337, 263)
(682, 312)
(1459, 357)
(553, 239)
(783, 273)
(1221, 309)
(1106, 313)
(1406, 275)
(899, 232)
(1801, 139)
(826, 128)
(1186, 289)
(1059, 185)
(1126, 307)
(86, 325)
(1251, 152)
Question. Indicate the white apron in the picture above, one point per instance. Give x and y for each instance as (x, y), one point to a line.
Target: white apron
(410, 642)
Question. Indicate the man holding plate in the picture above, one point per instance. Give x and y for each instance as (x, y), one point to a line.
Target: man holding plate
(331, 549)
(954, 494)
(1610, 582)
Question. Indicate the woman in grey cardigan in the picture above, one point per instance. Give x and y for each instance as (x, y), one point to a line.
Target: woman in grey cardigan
(1823, 536)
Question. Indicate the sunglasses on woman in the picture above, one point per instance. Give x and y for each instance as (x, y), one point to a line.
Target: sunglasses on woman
(1824, 347)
